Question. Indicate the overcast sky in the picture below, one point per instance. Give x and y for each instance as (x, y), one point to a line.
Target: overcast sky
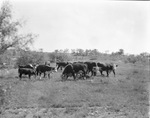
(110, 25)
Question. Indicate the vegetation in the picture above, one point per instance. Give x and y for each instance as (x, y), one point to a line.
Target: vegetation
(28, 57)
(15, 57)
(10, 36)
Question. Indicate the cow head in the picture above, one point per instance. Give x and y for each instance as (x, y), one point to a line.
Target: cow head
(115, 66)
(54, 69)
(63, 76)
(95, 69)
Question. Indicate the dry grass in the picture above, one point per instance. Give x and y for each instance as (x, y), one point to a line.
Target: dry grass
(125, 95)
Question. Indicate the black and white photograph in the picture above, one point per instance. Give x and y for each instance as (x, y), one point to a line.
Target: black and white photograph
(74, 59)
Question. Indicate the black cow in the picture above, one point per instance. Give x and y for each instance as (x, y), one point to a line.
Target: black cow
(61, 65)
(73, 69)
(43, 69)
(90, 66)
(26, 71)
(108, 67)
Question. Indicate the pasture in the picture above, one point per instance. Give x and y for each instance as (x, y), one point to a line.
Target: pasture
(123, 96)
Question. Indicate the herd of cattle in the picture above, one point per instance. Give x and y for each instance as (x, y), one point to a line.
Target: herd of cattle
(75, 69)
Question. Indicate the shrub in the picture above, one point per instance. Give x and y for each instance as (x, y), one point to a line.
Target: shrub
(131, 59)
(136, 59)
(27, 57)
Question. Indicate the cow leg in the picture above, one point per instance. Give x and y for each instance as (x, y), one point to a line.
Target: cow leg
(29, 76)
(84, 75)
(49, 75)
(67, 76)
(91, 73)
(20, 76)
(44, 74)
(58, 67)
(37, 73)
(94, 73)
(114, 73)
(73, 74)
(107, 71)
(40, 74)
(101, 72)
(87, 72)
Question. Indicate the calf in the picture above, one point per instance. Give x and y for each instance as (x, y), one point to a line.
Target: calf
(108, 67)
(26, 71)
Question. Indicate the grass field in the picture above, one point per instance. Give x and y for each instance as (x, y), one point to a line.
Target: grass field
(123, 96)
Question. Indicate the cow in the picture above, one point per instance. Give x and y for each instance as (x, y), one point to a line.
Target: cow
(90, 66)
(73, 70)
(26, 71)
(43, 69)
(61, 64)
(108, 67)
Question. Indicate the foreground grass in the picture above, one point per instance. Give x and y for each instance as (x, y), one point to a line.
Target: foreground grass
(124, 95)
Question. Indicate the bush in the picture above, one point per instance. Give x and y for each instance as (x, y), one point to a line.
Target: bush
(131, 59)
(27, 57)
(134, 59)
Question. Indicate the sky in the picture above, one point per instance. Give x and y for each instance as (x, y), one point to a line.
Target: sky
(86, 24)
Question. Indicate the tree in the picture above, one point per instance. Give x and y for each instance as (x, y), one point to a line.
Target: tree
(66, 50)
(87, 52)
(9, 31)
(144, 54)
(73, 51)
(80, 52)
(121, 52)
